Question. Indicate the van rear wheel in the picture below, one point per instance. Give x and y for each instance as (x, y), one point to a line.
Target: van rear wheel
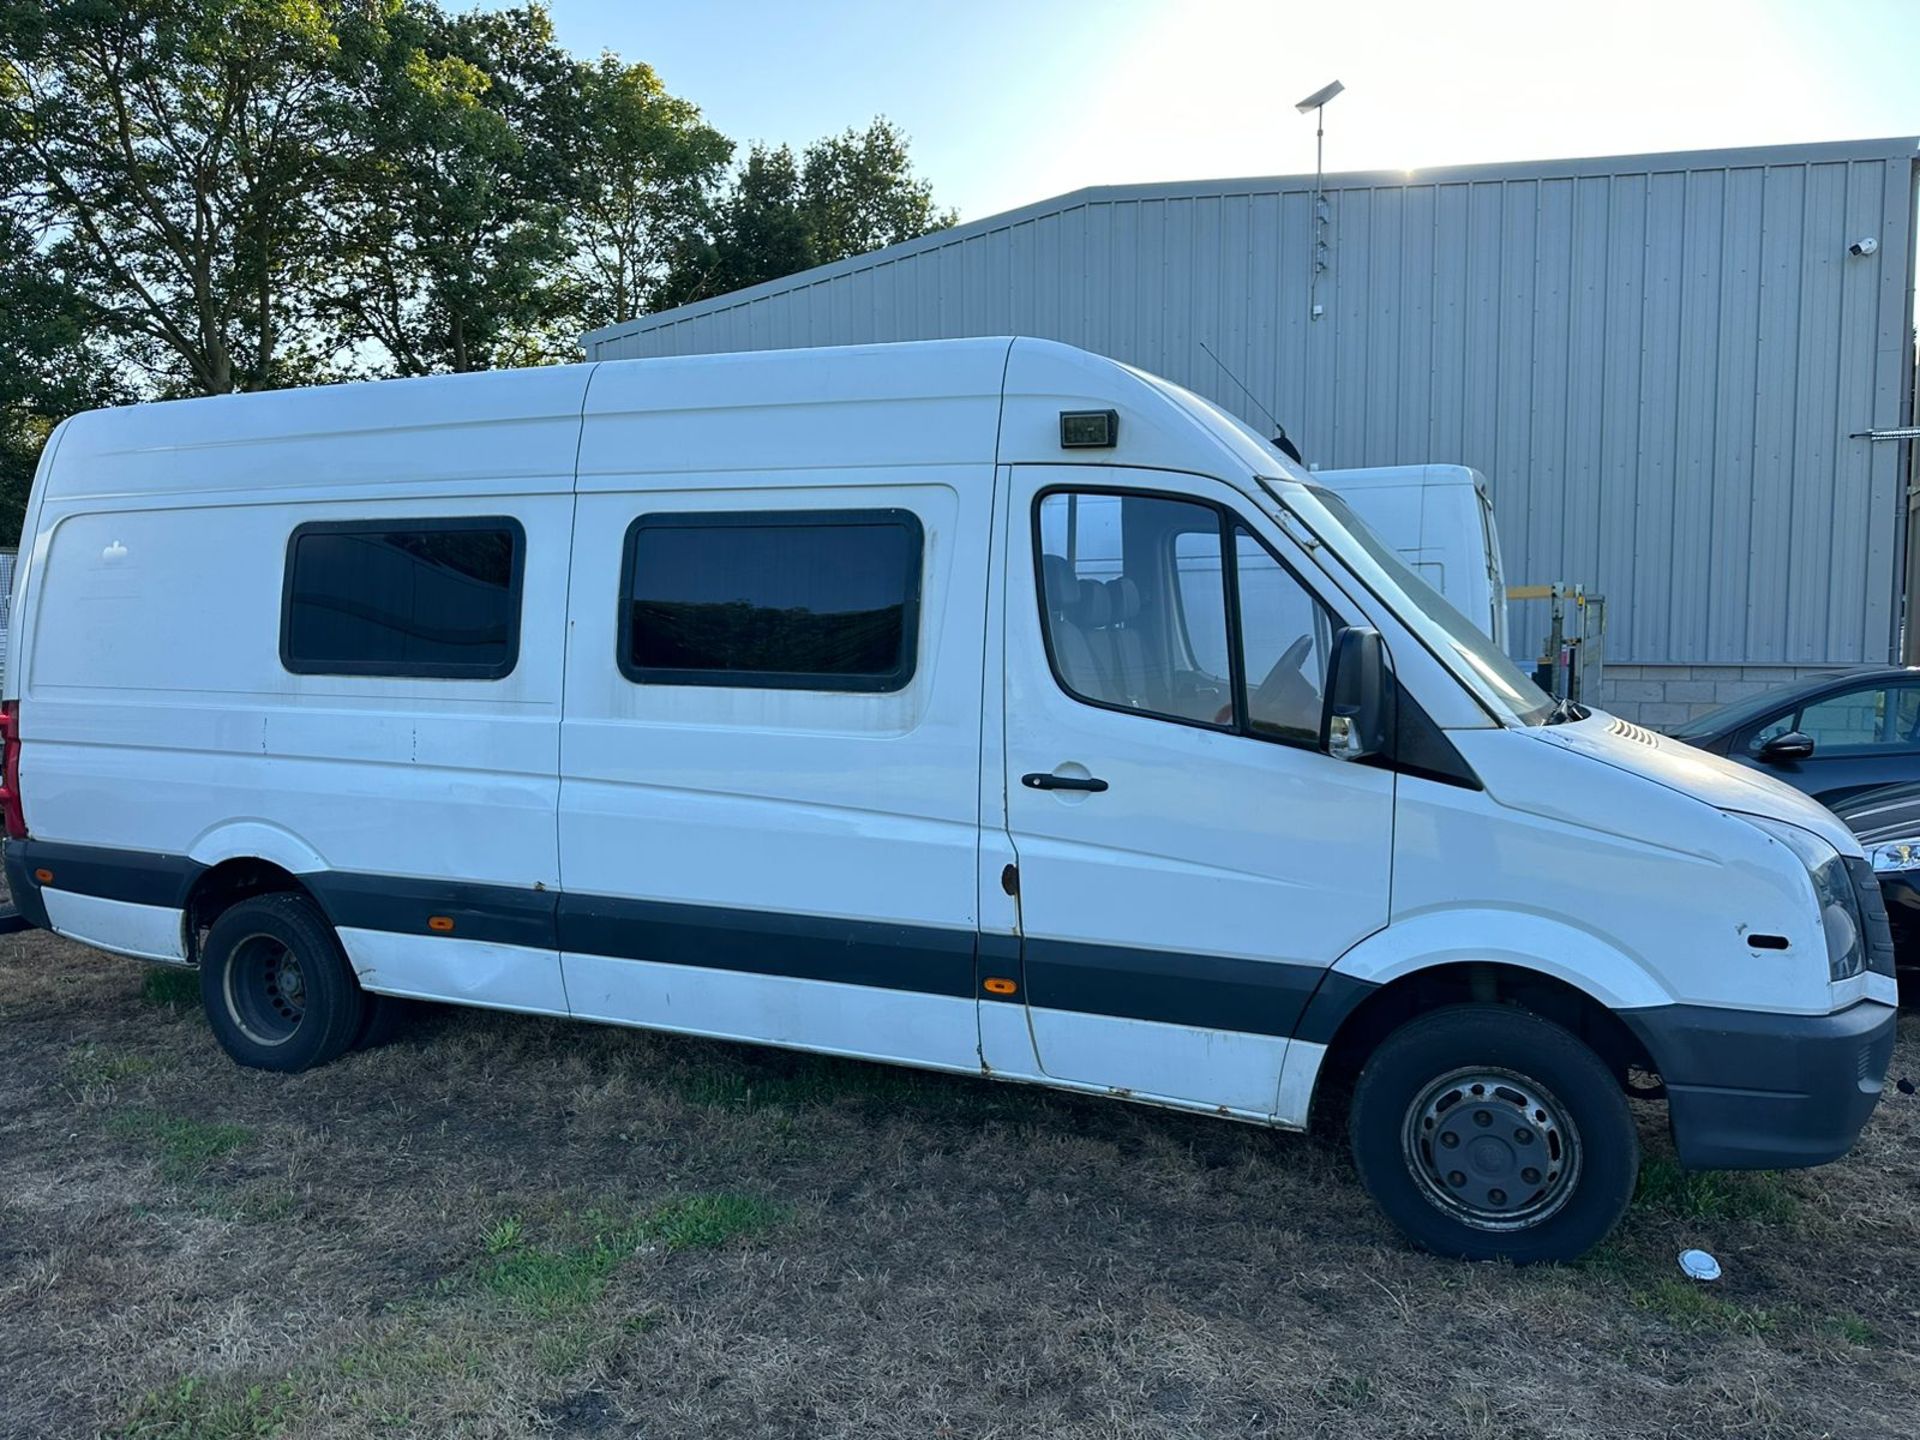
(277, 987)
(1487, 1133)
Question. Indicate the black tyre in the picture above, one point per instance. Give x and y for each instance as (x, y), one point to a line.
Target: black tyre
(277, 987)
(1487, 1133)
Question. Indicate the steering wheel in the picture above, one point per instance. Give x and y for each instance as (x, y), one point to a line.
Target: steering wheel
(1287, 667)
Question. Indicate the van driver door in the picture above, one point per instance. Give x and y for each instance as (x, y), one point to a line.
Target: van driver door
(1189, 860)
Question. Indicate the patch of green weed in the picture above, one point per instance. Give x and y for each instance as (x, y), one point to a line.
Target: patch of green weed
(184, 1147)
(704, 1221)
(1690, 1305)
(168, 985)
(197, 1409)
(1761, 1196)
(552, 1279)
(104, 1065)
(503, 1235)
(1852, 1329)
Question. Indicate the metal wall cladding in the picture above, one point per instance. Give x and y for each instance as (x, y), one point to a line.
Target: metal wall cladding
(1660, 362)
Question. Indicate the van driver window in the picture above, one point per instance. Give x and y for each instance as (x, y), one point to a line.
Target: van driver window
(792, 600)
(1136, 615)
(435, 599)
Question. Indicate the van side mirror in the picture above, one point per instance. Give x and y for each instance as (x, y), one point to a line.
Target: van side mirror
(1784, 749)
(1357, 719)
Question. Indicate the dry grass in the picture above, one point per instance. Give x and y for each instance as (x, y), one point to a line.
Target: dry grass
(501, 1226)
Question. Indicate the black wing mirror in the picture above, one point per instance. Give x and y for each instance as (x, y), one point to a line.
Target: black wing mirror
(1784, 749)
(1357, 719)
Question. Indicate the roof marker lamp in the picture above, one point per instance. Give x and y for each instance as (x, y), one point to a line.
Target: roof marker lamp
(1089, 429)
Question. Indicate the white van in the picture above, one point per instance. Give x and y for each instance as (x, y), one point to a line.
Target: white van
(980, 705)
(1439, 518)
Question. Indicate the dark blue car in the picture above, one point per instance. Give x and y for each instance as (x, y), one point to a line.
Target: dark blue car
(1833, 736)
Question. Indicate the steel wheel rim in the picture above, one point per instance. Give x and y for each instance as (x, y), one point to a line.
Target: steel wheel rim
(265, 990)
(1492, 1148)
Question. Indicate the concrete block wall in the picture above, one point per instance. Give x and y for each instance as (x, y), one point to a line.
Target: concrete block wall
(1661, 695)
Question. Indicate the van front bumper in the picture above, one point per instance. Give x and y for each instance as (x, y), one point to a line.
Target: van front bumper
(1749, 1091)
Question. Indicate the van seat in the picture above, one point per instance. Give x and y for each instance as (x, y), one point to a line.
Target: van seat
(1138, 681)
(1073, 651)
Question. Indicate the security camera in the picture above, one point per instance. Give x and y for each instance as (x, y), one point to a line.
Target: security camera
(1863, 247)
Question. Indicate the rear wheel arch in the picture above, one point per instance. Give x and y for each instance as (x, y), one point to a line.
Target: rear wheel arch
(220, 887)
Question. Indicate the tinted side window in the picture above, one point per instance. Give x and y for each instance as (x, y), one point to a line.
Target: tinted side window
(438, 599)
(814, 600)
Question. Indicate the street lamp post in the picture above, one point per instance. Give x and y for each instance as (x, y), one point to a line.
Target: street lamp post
(1317, 103)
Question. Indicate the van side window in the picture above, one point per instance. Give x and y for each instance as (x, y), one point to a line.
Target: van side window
(1286, 642)
(788, 600)
(1135, 600)
(437, 599)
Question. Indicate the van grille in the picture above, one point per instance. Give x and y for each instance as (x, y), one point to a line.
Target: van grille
(1628, 730)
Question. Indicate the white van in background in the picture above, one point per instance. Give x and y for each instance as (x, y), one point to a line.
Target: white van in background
(1440, 520)
(981, 705)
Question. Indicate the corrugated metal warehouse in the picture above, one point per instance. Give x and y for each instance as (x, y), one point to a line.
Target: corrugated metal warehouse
(1668, 366)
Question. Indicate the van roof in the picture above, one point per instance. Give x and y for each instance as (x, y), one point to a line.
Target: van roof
(1380, 477)
(937, 401)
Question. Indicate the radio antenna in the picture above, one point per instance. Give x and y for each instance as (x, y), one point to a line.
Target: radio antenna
(1236, 380)
(1281, 442)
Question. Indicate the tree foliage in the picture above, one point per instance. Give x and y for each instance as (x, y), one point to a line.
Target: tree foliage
(201, 196)
(455, 174)
(846, 195)
(650, 173)
(179, 159)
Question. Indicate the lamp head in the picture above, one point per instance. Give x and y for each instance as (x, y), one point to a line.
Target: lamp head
(1319, 97)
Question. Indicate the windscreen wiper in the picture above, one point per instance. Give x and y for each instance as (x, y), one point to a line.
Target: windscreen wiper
(1566, 708)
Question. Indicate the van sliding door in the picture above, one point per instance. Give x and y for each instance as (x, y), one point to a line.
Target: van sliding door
(770, 758)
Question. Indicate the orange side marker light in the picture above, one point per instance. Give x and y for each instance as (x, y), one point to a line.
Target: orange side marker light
(998, 986)
(442, 923)
(45, 877)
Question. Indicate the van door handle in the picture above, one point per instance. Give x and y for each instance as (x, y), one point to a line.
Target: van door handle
(1042, 781)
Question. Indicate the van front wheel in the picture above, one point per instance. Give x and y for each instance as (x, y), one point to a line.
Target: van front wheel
(1487, 1133)
(277, 987)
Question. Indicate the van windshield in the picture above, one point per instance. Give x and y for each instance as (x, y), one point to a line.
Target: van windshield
(1487, 667)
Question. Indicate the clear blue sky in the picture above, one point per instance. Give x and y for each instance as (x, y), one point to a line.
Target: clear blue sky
(1011, 101)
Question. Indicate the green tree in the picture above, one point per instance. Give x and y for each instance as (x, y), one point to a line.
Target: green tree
(451, 216)
(847, 194)
(51, 359)
(860, 193)
(51, 365)
(648, 169)
(178, 169)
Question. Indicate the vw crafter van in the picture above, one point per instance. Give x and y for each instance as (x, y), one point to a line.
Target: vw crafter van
(979, 705)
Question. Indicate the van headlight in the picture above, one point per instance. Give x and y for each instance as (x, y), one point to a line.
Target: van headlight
(1895, 855)
(1832, 891)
